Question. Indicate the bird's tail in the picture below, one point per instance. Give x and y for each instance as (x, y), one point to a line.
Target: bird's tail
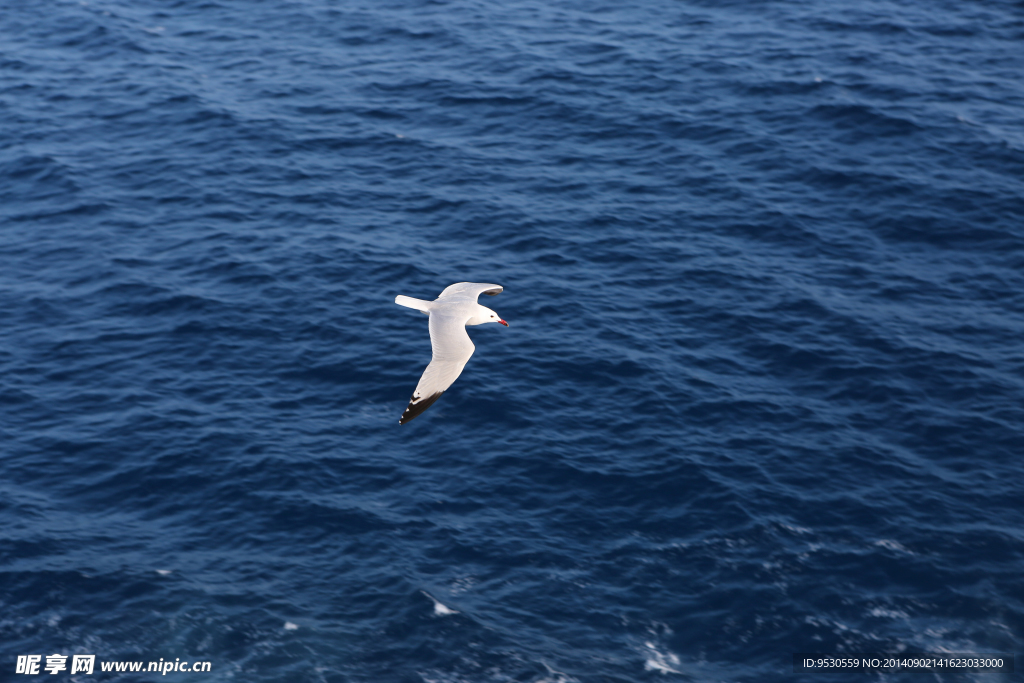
(409, 302)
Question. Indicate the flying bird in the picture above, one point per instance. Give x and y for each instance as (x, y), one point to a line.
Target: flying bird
(449, 314)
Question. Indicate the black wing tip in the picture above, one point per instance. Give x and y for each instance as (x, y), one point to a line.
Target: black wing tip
(416, 407)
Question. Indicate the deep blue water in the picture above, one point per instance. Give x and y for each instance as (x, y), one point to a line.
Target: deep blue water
(762, 392)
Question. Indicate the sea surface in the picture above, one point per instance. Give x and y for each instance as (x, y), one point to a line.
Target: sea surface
(762, 391)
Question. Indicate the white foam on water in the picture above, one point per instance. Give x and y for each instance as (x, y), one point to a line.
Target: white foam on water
(666, 662)
(440, 609)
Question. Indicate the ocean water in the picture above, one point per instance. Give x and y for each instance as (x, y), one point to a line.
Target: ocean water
(763, 386)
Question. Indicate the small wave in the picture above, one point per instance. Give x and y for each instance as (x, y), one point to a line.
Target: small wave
(664, 662)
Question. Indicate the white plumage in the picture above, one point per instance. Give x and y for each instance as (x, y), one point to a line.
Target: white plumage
(449, 314)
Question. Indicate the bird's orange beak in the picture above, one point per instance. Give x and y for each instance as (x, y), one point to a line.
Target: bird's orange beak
(502, 322)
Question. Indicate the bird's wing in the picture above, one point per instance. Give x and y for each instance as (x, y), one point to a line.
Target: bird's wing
(468, 291)
(452, 348)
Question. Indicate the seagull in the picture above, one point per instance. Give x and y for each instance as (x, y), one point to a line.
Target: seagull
(449, 314)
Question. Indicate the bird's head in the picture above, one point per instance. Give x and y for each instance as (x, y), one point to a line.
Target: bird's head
(485, 315)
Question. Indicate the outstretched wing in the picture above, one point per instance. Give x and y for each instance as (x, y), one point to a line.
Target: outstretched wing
(452, 348)
(468, 291)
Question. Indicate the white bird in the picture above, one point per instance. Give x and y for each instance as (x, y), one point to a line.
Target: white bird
(449, 314)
